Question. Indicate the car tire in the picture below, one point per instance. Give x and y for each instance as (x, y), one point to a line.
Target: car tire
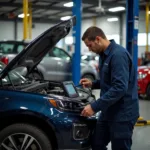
(89, 76)
(36, 76)
(148, 92)
(18, 135)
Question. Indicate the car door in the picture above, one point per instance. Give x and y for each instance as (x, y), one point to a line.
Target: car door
(48, 66)
(64, 71)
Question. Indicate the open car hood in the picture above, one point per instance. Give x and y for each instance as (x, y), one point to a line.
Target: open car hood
(32, 55)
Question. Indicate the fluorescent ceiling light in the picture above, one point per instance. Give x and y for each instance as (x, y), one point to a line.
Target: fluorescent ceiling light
(115, 9)
(70, 4)
(22, 15)
(65, 18)
(112, 19)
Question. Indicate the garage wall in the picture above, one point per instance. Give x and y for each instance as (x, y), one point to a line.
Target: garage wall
(124, 30)
(36, 30)
(7, 30)
(113, 28)
(110, 28)
(85, 24)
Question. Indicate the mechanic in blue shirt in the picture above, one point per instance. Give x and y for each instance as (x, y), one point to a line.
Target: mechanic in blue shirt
(118, 100)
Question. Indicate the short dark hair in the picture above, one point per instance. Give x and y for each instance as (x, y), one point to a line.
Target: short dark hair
(92, 32)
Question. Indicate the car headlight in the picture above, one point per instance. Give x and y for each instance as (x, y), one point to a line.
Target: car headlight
(67, 105)
(141, 75)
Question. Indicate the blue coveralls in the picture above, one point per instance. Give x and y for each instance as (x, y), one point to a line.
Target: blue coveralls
(118, 100)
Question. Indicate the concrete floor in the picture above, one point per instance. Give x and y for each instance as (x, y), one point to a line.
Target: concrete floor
(141, 136)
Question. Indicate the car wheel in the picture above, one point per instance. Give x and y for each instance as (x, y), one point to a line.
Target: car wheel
(36, 76)
(148, 92)
(90, 77)
(23, 137)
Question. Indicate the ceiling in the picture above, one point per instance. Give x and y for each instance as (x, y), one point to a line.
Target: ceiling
(52, 10)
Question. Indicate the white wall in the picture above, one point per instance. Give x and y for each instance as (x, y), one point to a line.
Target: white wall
(110, 28)
(37, 30)
(85, 24)
(124, 30)
(6, 30)
(113, 28)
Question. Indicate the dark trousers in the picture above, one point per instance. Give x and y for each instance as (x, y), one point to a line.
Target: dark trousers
(118, 133)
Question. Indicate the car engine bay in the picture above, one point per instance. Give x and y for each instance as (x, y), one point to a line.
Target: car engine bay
(51, 88)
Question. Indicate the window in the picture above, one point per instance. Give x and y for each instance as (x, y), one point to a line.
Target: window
(57, 52)
(6, 48)
(142, 39)
(20, 48)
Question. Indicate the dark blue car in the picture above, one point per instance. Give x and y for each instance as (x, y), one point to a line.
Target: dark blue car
(39, 114)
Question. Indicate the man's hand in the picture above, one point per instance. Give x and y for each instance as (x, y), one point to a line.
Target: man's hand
(86, 83)
(87, 111)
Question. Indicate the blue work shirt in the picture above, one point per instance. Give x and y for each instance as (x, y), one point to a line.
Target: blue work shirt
(118, 83)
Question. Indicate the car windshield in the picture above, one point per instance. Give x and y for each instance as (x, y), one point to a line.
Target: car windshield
(13, 77)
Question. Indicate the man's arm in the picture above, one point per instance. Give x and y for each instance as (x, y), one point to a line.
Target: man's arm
(119, 81)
